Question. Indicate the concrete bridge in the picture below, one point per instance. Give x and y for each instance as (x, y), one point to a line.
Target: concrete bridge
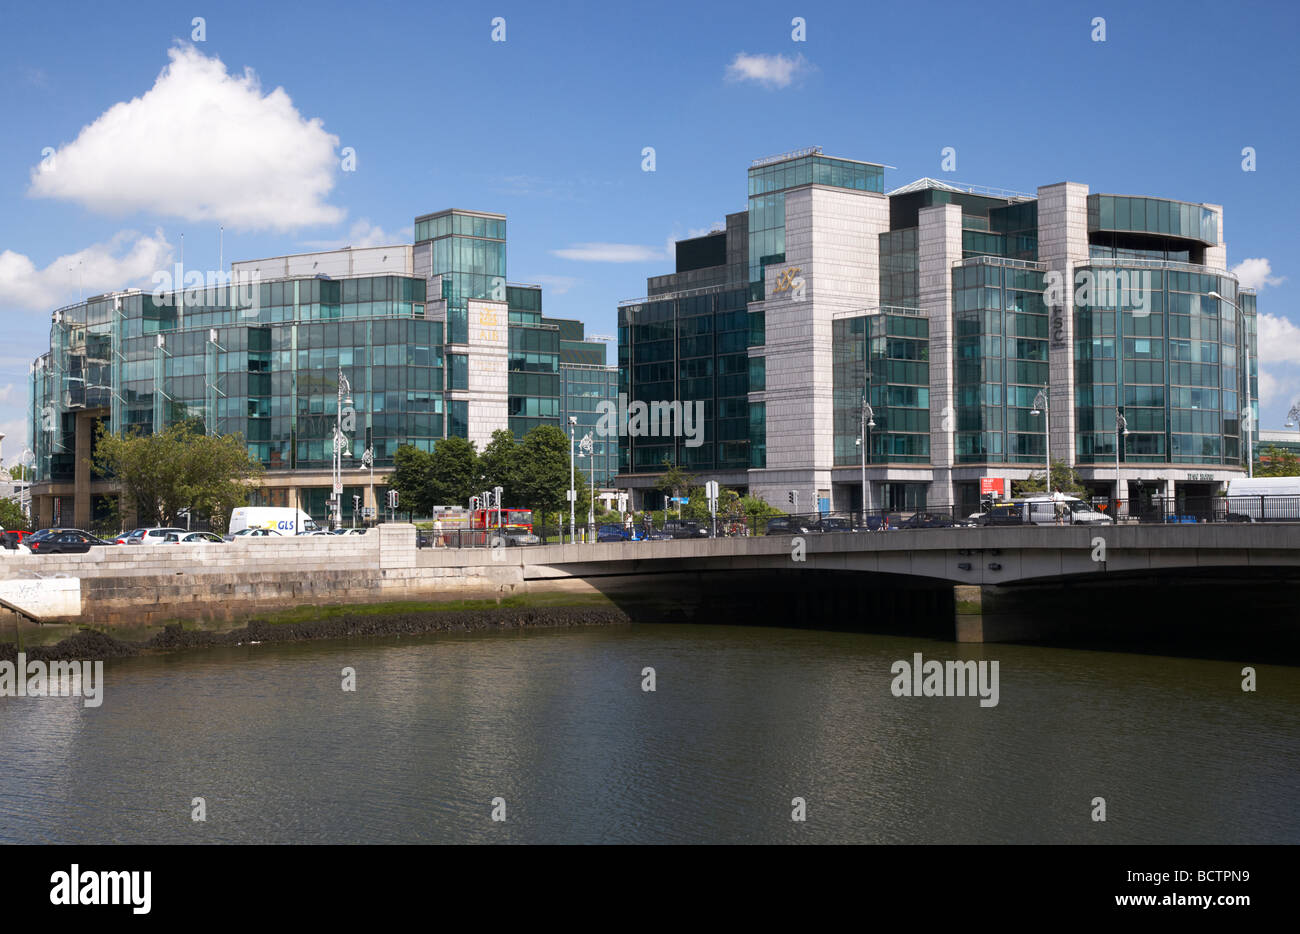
(982, 557)
(988, 584)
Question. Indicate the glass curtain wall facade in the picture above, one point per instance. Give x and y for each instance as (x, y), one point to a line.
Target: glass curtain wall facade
(583, 387)
(267, 371)
(1001, 361)
(1175, 360)
(469, 252)
(690, 348)
(887, 356)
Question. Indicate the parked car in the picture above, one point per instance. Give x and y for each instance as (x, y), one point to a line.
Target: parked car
(256, 533)
(927, 520)
(1001, 514)
(515, 537)
(195, 538)
(12, 541)
(648, 533)
(835, 524)
(157, 536)
(612, 532)
(66, 542)
(685, 528)
(787, 525)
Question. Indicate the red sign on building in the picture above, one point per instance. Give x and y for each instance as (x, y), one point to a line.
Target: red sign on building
(992, 486)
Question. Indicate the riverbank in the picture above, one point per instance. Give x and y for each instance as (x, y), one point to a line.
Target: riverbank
(307, 623)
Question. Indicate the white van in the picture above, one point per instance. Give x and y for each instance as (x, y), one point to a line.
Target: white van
(280, 519)
(1255, 499)
(1060, 509)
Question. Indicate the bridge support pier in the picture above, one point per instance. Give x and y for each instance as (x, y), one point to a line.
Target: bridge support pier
(983, 614)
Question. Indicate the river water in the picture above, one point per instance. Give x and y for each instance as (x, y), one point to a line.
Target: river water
(742, 721)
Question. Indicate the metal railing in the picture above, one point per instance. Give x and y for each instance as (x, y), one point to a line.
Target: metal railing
(985, 260)
(1160, 510)
(1169, 265)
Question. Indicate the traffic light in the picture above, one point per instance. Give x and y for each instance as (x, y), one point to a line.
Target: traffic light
(392, 499)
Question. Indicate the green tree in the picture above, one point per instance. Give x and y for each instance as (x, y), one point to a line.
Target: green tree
(11, 516)
(542, 474)
(757, 509)
(178, 468)
(1065, 479)
(412, 478)
(498, 465)
(455, 473)
(1277, 462)
(676, 482)
(20, 472)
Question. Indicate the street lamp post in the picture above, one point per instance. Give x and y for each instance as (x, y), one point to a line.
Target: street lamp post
(1121, 432)
(868, 421)
(1292, 416)
(340, 440)
(1248, 413)
(1040, 408)
(573, 493)
(368, 460)
(588, 450)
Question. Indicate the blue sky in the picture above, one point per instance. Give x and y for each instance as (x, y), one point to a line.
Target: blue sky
(548, 127)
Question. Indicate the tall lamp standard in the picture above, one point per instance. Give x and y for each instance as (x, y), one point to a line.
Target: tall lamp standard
(368, 460)
(588, 450)
(868, 421)
(1121, 432)
(573, 493)
(1040, 408)
(1248, 413)
(340, 442)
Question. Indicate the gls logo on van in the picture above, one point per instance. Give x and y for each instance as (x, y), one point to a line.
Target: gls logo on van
(284, 524)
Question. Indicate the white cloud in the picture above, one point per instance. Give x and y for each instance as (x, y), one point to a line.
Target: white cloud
(1278, 339)
(771, 71)
(610, 253)
(128, 258)
(556, 285)
(15, 432)
(202, 145)
(1256, 273)
(1279, 358)
(363, 234)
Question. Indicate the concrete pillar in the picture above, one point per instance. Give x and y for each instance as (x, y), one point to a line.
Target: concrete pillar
(81, 471)
(938, 246)
(1062, 245)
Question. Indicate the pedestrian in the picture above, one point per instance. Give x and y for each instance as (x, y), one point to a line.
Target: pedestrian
(437, 533)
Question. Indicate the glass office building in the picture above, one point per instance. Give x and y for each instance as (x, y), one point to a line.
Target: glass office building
(1108, 305)
(430, 339)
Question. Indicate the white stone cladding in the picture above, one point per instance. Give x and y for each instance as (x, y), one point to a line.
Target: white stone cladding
(1062, 246)
(832, 240)
(938, 247)
(489, 381)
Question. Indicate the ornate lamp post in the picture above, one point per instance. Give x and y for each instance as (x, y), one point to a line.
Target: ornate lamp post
(868, 421)
(1040, 408)
(587, 450)
(340, 444)
(1121, 432)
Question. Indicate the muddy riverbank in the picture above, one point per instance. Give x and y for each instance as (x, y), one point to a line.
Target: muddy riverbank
(92, 644)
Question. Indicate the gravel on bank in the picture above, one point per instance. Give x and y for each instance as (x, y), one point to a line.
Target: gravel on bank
(90, 644)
